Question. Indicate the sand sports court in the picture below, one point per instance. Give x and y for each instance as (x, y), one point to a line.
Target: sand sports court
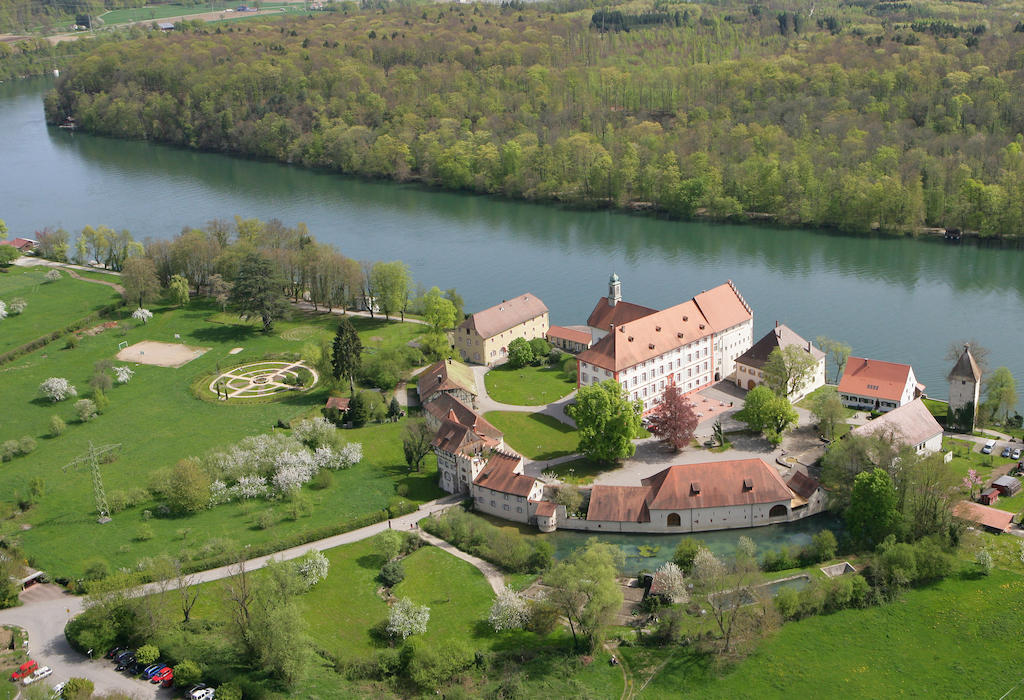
(154, 352)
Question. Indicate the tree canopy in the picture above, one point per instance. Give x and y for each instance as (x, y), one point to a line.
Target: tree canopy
(257, 291)
(674, 420)
(766, 412)
(584, 589)
(607, 421)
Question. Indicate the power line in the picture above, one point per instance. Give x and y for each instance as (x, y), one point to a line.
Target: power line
(92, 459)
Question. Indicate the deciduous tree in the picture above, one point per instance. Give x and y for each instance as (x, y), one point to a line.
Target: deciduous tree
(520, 354)
(836, 354)
(873, 512)
(674, 420)
(584, 589)
(1000, 392)
(416, 441)
(828, 409)
(788, 369)
(607, 421)
(766, 412)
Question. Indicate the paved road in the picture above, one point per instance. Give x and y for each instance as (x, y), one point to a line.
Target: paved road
(46, 610)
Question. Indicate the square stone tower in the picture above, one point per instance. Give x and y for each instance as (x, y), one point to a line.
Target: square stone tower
(964, 390)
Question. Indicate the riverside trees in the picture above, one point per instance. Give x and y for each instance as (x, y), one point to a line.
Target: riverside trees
(686, 117)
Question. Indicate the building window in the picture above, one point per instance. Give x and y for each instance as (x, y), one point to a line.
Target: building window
(507, 507)
(493, 504)
(583, 377)
(673, 520)
(519, 510)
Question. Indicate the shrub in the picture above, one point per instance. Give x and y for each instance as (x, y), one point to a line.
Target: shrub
(99, 397)
(228, 691)
(544, 618)
(541, 348)
(147, 654)
(187, 673)
(26, 445)
(266, 519)
(144, 533)
(18, 305)
(787, 602)
(322, 480)
(78, 689)
(392, 573)
(53, 275)
(9, 450)
(432, 666)
(72, 342)
(57, 425)
(983, 560)
(96, 569)
(569, 368)
(824, 545)
(685, 553)
(57, 389)
(101, 381)
(86, 410)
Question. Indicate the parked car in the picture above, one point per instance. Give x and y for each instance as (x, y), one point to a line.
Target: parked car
(1016, 454)
(57, 690)
(37, 675)
(123, 655)
(25, 670)
(114, 652)
(988, 447)
(200, 692)
(164, 673)
(152, 669)
(1006, 451)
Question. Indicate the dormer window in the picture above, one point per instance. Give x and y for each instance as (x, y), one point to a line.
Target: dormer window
(694, 487)
(748, 484)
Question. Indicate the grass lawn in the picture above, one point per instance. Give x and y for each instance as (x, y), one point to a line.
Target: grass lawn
(157, 12)
(535, 435)
(921, 645)
(157, 421)
(528, 386)
(939, 409)
(51, 305)
(807, 402)
(580, 471)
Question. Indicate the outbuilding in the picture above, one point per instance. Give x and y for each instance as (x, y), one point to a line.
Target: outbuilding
(988, 497)
(1007, 485)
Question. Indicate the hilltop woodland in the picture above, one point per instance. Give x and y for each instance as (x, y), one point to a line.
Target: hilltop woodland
(860, 116)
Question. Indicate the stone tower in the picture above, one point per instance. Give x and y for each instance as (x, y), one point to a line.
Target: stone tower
(964, 391)
(614, 290)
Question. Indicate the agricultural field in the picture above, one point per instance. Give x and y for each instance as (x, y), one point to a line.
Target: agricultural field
(51, 305)
(528, 386)
(157, 421)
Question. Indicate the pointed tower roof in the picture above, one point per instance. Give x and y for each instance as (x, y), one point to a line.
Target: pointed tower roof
(965, 367)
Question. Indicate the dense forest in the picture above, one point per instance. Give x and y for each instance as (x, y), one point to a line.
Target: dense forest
(857, 116)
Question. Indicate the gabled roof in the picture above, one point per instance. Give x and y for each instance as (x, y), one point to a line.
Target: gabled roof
(648, 337)
(912, 423)
(499, 475)
(965, 367)
(723, 306)
(625, 504)
(570, 334)
(605, 315)
(508, 314)
(338, 402)
(1007, 481)
(715, 484)
(998, 520)
(447, 407)
(779, 337)
(545, 509)
(875, 378)
(445, 375)
(802, 485)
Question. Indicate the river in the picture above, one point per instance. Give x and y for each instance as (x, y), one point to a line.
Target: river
(893, 299)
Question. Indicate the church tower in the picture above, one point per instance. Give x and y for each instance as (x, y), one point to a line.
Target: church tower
(964, 391)
(614, 290)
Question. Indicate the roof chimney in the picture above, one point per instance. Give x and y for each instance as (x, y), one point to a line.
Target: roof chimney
(440, 378)
(808, 346)
(776, 323)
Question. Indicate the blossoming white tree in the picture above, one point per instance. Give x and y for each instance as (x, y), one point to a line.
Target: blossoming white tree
(53, 275)
(312, 567)
(18, 305)
(57, 389)
(123, 374)
(249, 487)
(315, 432)
(142, 315)
(3, 310)
(407, 618)
(670, 582)
(350, 454)
(510, 611)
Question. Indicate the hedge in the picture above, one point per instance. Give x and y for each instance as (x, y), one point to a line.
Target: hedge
(45, 340)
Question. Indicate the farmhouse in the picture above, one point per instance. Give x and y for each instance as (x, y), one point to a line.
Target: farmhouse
(502, 489)
(992, 519)
(23, 245)
(447, 377)
(689, 345)
(750, 364)
(702, 497)
(483, 338)
(911, 424)
(875, 385)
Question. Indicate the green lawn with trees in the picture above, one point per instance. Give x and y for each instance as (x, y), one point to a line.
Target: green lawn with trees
(157, 421)
(50, 306)
(528, 386)
(535, 435)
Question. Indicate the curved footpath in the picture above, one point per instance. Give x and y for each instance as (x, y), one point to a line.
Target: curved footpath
(45, 613)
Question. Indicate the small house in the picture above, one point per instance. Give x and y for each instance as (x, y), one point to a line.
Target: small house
(569, 339)
(875, 385)
(989, 497)
(165, 26)
(991, 519)
(1007, 485)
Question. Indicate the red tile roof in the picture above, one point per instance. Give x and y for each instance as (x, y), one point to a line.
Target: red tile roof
(911, 424)
(447, 407)
(723, 306)
(499, 475)
(779, 337)
(338, 402)
(874, 378)
(626, 504)
(445, 375)
(992, 518)
(570, 334)
(650, 336)
(802, 485)
(716, 484)
(545, 509)
(604, 314)
(508, 314)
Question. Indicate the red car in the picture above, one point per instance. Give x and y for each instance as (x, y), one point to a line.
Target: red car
(26, 669)
(164, 676)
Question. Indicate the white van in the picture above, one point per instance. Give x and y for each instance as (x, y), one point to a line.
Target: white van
(989, 446)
